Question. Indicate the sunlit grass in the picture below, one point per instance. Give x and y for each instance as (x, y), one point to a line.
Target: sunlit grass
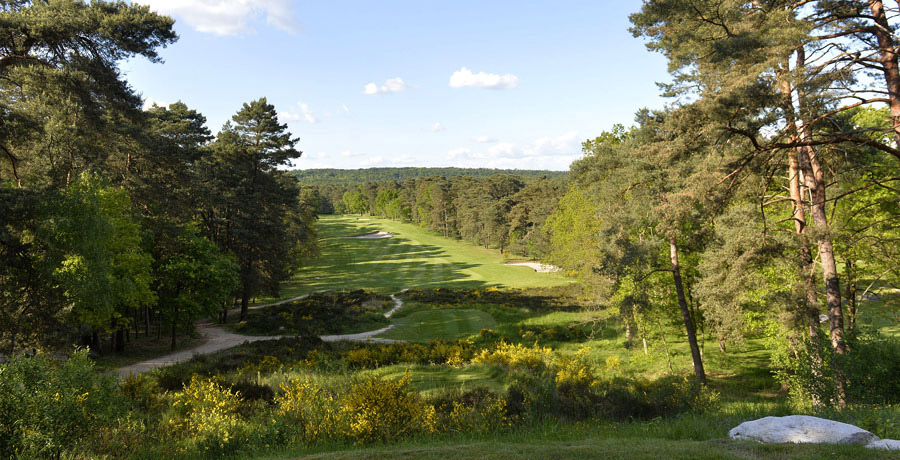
(413, 258)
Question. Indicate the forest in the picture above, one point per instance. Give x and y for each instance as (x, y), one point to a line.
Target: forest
(758, 211)
(348, 176)
(117, 219)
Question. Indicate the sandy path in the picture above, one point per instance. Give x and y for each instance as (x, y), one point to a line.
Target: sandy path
(217, 339)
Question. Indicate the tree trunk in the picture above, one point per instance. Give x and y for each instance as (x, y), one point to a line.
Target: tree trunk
(889, 61)
(851, 294)
(245, 304)
(814, 180)
(808, 309)
(685, 313)
(174, 326)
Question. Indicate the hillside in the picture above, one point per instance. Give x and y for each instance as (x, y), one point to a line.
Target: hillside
(341, 176)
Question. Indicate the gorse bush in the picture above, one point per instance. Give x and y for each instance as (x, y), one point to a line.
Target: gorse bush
(49, 407)
(205, 413)
(309, 413)
(382, 410)
(367, 410)
(516, 355)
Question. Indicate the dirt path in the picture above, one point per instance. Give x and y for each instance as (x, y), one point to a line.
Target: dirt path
(216, 339)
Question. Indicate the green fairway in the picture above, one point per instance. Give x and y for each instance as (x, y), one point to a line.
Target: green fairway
(423, 326)
(414, 257)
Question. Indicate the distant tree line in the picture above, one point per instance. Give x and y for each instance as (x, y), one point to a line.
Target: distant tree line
(500, 211)
(357, 176)
(115, 220)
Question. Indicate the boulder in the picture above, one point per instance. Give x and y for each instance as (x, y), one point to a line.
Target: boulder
(801, 429)
(886, 444)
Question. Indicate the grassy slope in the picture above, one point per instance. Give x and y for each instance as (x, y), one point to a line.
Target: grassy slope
(418, 258)
(414, 257)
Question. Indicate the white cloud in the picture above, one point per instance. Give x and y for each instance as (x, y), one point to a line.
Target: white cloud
(288, 116)
(461, 152)
(403, 160)
(371, 161)
(543, 153)
(391, 85)
(464, 77)
(351, 154)
(346, 109)
(228, 17)
(484, 139)
(437, 126)
(307, 114)
(151, 102)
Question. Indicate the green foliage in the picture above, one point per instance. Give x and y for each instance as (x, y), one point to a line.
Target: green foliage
(195, 279)
(869, 372)
(50, 407)
(252, 208)
(205, 414)
(355, 176)
(96, 251)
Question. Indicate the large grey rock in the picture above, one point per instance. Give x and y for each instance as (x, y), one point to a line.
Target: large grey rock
(886, 444)
(801, 429)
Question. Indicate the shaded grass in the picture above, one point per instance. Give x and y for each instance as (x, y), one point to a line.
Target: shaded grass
(141, 348)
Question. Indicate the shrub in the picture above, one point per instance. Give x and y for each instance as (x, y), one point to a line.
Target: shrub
(309, 412)
(382, 410)
(869, 371)
(48, 407)
(470, 411)
(208, 411)
(516, 355)
(622, 398)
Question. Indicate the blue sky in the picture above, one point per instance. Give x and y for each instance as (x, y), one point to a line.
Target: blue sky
(501, 84)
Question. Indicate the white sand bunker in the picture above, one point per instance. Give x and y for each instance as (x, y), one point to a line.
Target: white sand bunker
(372, 235)
(361, 219)
(538, 267)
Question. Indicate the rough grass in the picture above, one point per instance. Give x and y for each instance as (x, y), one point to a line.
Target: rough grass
(414, 257)
(430, 380)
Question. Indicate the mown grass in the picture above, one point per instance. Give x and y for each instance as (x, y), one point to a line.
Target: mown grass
(423, 326)
(414, 257)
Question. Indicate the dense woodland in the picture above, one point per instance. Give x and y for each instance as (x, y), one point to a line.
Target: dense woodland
(502, 211)
(118, 220)
(762, 203)
(351, 176)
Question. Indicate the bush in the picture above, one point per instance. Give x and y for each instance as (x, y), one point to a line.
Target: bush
(368, 410)
(382, 410)
(869, 372)
(49, 407)
(309, 412)
(516, 355)
(208, 412)
(471, 411)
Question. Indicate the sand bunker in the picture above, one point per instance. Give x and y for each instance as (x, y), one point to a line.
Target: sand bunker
(538, 267)
(372, 236)
(361, 219)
